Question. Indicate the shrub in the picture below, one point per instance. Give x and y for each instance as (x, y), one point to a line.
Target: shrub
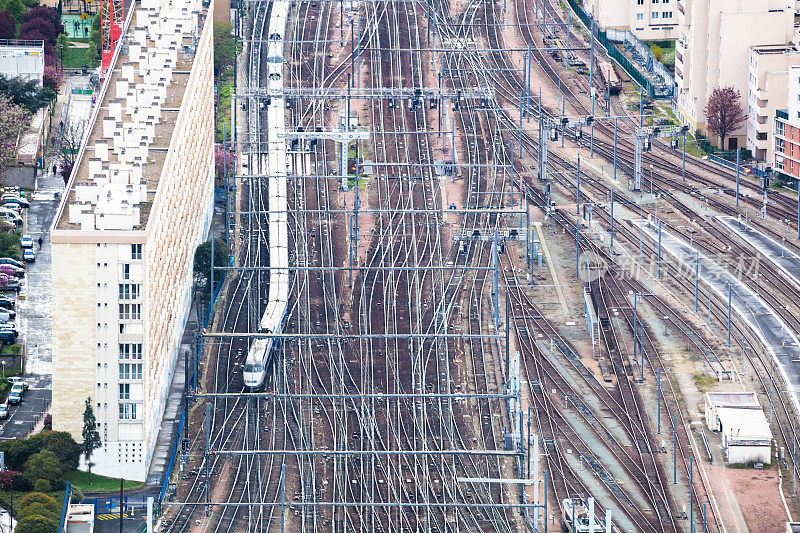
(20, 484)
(38, 497)
(76, 496)
(42, 485)
(48, 422)
(36, 524)
(43, 465)
(60, 443)
(6, 479)
(37, 509)
(16, 451)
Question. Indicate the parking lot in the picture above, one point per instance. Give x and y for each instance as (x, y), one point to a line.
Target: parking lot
(34, 315)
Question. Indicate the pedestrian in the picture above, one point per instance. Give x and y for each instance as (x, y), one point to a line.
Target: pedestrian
(40, 241)
(55, 169)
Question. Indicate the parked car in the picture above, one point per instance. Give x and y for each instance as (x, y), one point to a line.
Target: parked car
(15, 396)
(11, 206)
(11, 199)
(10, 216)
(29, 255)
(11, 284)
(26, 241)
(9, 261)
(7, 302)
(3, 410)
(12, 270)
(7, 315)
(8, 335)
(18, 379)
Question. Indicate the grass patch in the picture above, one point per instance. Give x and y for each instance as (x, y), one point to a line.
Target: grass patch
(704, 381)
(80, 479)
(75, 57)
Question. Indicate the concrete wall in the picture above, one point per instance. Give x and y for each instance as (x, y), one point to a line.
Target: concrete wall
(179, 221)
(748, 454)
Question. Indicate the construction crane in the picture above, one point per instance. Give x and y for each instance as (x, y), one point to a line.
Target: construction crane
(111, 17)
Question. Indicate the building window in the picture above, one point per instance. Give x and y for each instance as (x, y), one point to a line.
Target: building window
(666, 15)
(780, 128)
(136, 252)
(130, 351)
(640, 2)
(127, 411)
(654, 15)
(639, 16)
(130, 311)
(130, 371)
(126, 271)
(779, 145)
(128, 291)
(124, 391)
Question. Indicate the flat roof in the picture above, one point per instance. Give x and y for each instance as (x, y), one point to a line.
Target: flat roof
(116, 175)
(733, 399)
(744, 424)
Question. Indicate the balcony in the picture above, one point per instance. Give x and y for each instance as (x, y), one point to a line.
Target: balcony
(782, 113)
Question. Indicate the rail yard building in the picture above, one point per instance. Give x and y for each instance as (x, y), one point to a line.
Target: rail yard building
(745, 432)
(138, 202)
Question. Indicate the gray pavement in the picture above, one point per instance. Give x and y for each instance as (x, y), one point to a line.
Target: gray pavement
(778, 339)
(783, 258)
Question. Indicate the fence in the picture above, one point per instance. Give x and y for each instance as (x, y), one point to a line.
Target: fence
(661, 90)
(175, 446)
(62, 525)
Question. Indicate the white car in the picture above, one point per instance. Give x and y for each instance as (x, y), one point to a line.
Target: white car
(26, 241)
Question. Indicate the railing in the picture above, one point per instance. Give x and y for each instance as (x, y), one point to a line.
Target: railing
(62, 526)
(22, 42)
(174, 453)
(662, 90)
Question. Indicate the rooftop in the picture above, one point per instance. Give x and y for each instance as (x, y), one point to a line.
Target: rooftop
(733, 399)
(117, 173)
(744, 424)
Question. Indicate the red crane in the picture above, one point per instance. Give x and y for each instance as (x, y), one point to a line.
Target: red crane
(111, 17)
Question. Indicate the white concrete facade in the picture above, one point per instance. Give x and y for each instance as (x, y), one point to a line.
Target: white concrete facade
(139, 202)
(646, 19)
(713, 50)
(767, 91)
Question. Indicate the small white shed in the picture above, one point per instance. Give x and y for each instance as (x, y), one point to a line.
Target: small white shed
(715, 400)
(746, 435)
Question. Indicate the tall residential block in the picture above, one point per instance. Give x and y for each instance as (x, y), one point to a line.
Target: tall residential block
(139, 201)
(713, 50)
(767, 90)
(786, 132)
(647, 19)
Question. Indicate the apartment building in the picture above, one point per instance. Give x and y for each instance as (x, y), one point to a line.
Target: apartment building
(767, 91)
(713, 50)
(139, 201)
(646, 19)
(786, 155)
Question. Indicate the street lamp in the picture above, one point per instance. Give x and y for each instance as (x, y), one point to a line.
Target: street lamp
(61, 52)
(4, 369)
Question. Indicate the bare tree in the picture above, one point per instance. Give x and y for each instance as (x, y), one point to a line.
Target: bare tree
(724, 112)
(13, 121)
(65, 143)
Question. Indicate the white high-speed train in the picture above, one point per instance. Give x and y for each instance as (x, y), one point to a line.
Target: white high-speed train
(258, 357)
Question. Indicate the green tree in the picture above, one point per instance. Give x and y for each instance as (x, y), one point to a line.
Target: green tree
(16, 451)
(42, 485)
(224, 47)
(38, 497)
(36, 524)
(202, 259)
(91, 437)
(43, 465)
(61, 443)
(27, 94)
(15, 7)
(35, 509)
(95, 46)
